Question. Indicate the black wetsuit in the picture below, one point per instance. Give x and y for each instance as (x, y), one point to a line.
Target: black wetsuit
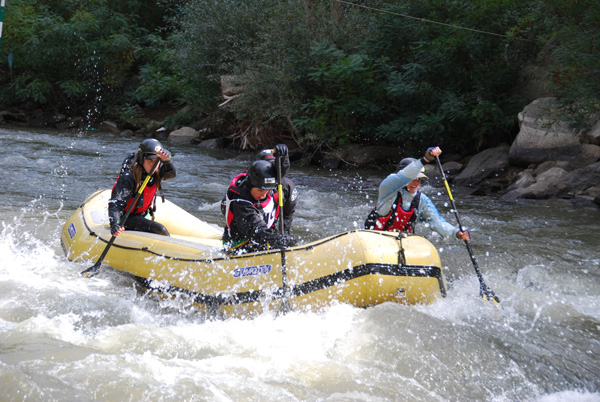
(125, 190)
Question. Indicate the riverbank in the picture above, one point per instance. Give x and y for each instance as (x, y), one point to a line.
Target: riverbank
(546, 160)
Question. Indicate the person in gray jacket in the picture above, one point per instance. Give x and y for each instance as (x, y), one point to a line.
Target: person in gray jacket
(401, 205)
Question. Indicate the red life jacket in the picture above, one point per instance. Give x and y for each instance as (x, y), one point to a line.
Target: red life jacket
(268, 206)
(147, 198)
(399, 220)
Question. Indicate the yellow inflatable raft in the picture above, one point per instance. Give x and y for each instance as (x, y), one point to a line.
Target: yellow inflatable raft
(361, 267)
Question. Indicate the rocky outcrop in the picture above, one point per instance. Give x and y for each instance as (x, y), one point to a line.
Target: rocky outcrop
(557, 182)
(541, 138)
(592, 136)
(561, 162)
(29, 116)
(546, 185)
(489, 164)
(546, 160)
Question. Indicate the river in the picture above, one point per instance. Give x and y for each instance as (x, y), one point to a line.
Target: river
(68, 338)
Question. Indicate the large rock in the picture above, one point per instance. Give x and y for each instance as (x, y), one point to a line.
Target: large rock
(557, 182)
(213, 143)
(541, 138)
(592, 136)
(452, 168)
(70, 123)
(138, 124)
(546, 185)
(109, 127)
(589, 155)
(490, 163)
(185, 135)
(581, 181)
(524, 179)
(13, 116)
(361, 155)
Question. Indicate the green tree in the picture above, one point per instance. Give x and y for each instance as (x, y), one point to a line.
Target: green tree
(265, 45)
(343, 96)
(77, 56)
(327, 73)
(571, 56)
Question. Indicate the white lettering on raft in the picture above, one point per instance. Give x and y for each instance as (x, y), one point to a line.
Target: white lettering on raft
(252, 271)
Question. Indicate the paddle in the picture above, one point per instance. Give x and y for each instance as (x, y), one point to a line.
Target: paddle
(484, 290)
(94, 269)
(285, 305)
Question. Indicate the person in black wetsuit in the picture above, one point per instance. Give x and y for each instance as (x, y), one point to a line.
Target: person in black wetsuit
(252, 210)
(134, 171)
(290, 194)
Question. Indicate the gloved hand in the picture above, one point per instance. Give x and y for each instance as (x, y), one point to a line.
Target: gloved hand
(164, 155)
(115, 230)
(287, 240)
(466, 236)
(281, 150)
(432, 152)
(290, 240)
(223, 205)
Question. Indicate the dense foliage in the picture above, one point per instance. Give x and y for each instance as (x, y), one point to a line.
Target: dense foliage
(84, 57)
(325, 72)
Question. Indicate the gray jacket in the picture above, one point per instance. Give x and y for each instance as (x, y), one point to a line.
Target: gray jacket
(426, 213)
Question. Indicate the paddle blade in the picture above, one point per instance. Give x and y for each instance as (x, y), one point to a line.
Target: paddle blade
(92, 271)
(489, 295)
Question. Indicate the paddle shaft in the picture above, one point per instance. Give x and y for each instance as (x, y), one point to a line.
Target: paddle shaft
(285, 305)
(94, 269)
(484, 290)
(280, 194)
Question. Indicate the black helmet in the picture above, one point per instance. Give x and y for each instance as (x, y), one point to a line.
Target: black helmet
(262, 175)
(407, 161)
(148, 149)
(266, 154)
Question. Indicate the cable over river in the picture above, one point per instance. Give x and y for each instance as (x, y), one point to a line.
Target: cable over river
(68, 338)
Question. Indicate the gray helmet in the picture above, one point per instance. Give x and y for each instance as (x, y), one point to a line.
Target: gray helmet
(407, 161)
(262, 174)
(148, 149)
